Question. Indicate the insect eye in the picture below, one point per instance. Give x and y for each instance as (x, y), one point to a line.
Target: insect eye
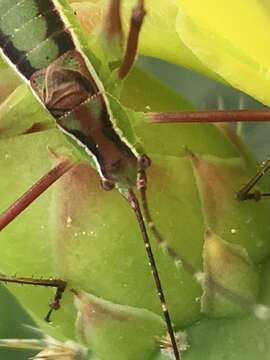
(144, 162)
(107, 184)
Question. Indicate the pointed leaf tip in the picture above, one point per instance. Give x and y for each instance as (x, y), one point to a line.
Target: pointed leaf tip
(218, 181)
(231, 276)
(109, 329)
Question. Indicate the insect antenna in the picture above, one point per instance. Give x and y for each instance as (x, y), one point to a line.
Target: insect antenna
(133, 201)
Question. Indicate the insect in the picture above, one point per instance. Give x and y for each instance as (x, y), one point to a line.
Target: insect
(65, 82)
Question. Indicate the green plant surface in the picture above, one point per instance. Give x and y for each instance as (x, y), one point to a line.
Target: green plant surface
(208, 37)
(221, 40)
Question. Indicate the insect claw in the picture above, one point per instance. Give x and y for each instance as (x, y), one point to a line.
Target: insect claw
(48, 316)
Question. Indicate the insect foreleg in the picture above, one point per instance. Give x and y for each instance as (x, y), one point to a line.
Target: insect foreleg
(58, 284)
(136, 22)
(34, 192)
(113, 24)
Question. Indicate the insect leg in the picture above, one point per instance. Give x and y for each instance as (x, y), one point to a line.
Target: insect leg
(58, 284)
(179, 260)
(131, 198)
(33, 193)
(208, 116)
(136, 22)
(245, 192)
(221, 116)
(113, 24)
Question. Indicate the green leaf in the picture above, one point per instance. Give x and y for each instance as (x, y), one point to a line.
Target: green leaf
(110, 329)
(221, 36)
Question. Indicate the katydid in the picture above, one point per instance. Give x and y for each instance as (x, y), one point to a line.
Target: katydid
(66, 83)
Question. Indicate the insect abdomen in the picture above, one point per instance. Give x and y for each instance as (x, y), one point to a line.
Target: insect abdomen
(32, 34)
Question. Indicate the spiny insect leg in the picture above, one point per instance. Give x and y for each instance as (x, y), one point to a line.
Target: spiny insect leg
(179, 261)
(33, 193)
(136, 22)
(131, 198)
(58, 284)
(208, 116)
(245, 192)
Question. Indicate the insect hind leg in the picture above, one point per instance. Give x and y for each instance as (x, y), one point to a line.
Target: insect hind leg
(113, 24)
(34, 192)
(58, 284)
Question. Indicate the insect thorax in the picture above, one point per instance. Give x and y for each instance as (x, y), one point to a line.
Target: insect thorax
(79, 107)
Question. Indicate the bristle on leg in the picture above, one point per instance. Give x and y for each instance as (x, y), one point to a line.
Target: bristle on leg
(181, 341)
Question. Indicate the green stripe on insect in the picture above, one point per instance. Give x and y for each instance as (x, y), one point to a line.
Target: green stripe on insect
(33, 34)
